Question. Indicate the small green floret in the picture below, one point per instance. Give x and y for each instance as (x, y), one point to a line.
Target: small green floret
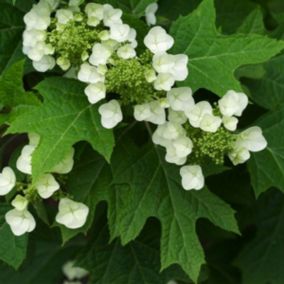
(73, 40)
(127, 79)
(211, 145)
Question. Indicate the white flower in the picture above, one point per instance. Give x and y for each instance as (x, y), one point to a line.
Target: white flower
(176, 65)
(180, 99)
(74, 272)
(159, 140)
(183, 146)
(95, 92)
(95, 10)
(177, 116)
(112, 44)
(239, 155)
(46, 63)
(233, 103)
(158, 41)
(142, 112)
(150, 12)
(100, 54)
(89, 74)
(64, 16)
(196, 114)
(46, 186)
(230, 122)
(119, 32)
(252, 139)
(20, 202)
(167, 132)
(37, 52)
(173, 159)
(158, 115)
(170, 130)
(163, 63)
(111, 16)
(180, 147)
(7, 181)
(20, 221)
(72, 214)
(111, 114)
(192, 177)
(152, 112)
(164, 82)
(210, 123)
(24, 162)
(38, 17)
(180, 69)
(132, 38)
(93, 22)
(32, 37)
(126, 52)
(95, 13)
(66, 165)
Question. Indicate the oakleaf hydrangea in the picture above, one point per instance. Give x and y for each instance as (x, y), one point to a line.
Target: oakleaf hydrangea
(94, 44)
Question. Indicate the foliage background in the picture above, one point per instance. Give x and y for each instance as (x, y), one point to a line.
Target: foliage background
(234, 229)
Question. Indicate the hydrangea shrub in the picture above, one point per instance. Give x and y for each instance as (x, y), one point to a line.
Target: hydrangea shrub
(141, 141)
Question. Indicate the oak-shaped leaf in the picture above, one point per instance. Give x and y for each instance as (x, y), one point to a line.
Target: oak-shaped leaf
(64, 118)
(214, 57)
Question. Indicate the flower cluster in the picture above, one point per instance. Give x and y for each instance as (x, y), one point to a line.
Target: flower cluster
(71, 214)
(93, 41)
(197, 132)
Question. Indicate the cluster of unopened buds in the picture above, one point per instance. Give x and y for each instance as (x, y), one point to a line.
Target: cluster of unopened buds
(71, 214)
(93, 44)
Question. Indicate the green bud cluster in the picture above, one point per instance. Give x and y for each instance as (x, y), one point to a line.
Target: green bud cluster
(127, 78)
(211, 145)
(72, 41)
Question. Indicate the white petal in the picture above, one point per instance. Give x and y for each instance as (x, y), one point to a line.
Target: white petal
(192, 177)
(158, 41)
(7, 181)
(95, 92)
(111, 114)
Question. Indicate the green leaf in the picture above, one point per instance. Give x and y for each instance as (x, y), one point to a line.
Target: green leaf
(261, 260)
(12, 92)
(152, 187)
(213, 57)
(277, 9)
(44, 261)
(64, 118)
(267, 167)
(90, 183)
(268, 91)
(181, 7)
(140, 263)
(11, 28)
(12, 249)
(231, 14)
(253, 23)
(145, 186)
